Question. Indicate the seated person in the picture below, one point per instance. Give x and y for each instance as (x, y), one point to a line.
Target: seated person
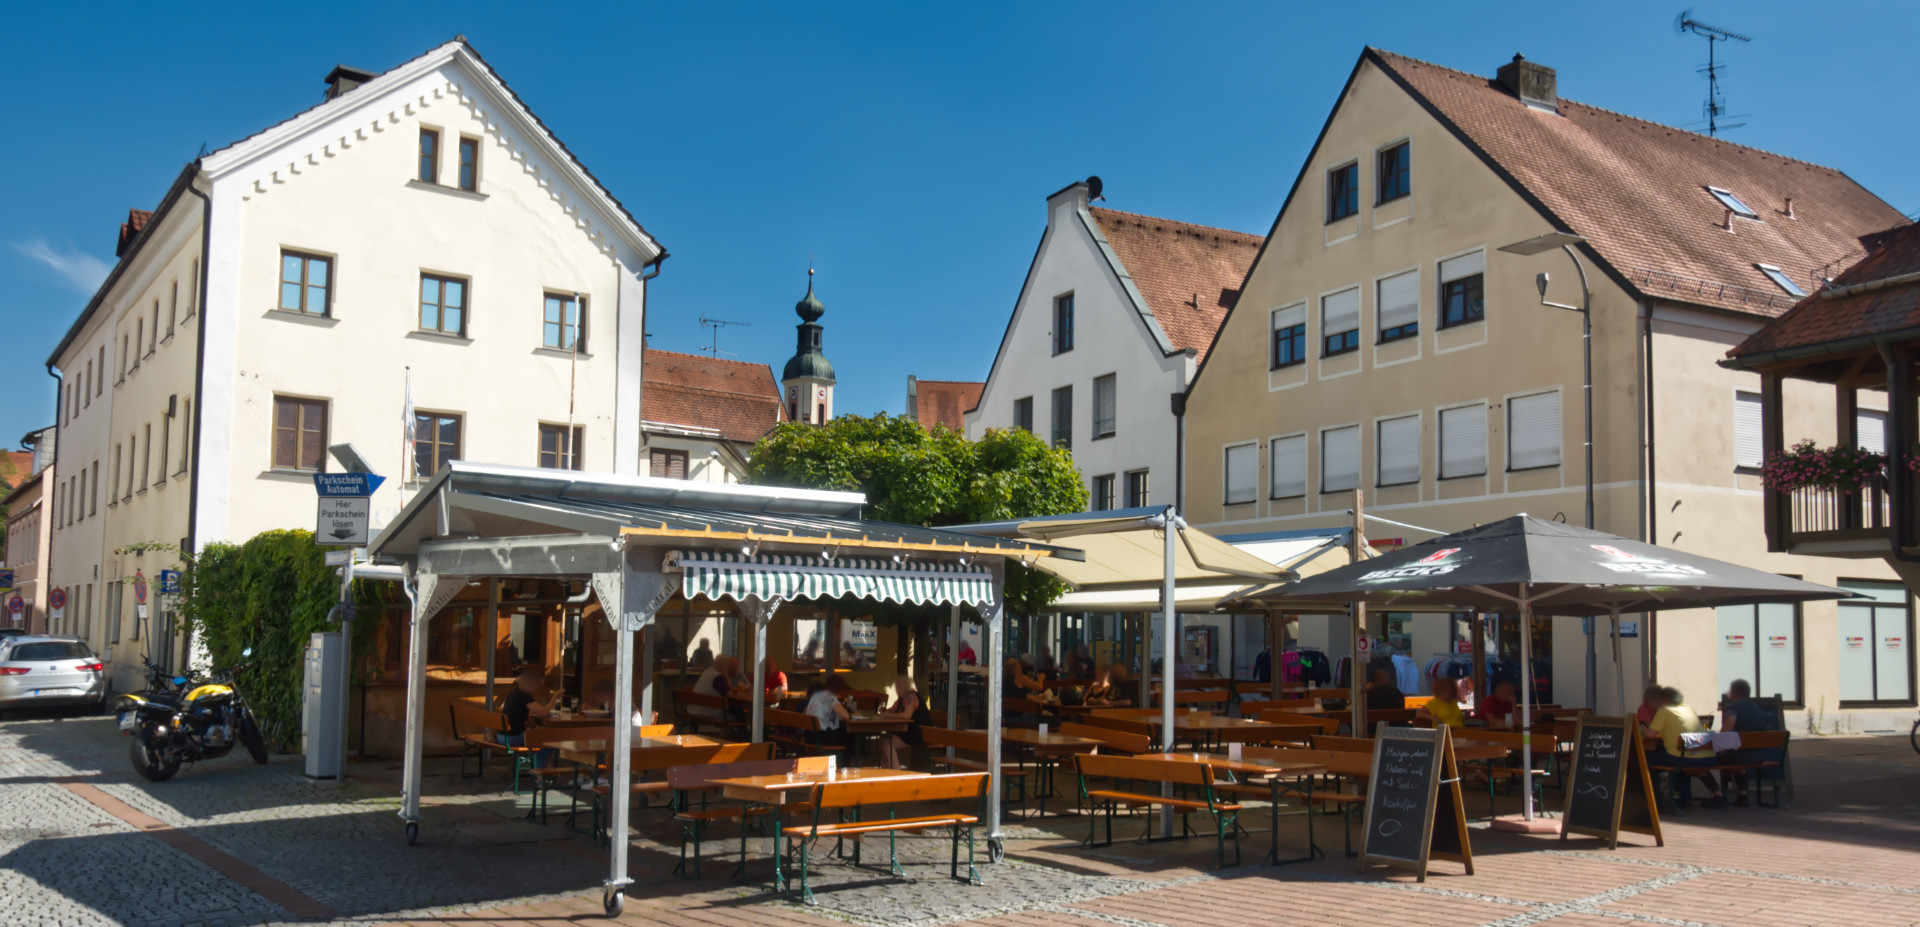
(1743, 715)
(1019, 683)
(524, 705)
(1444, 707)
(1498, 709)
(1106, 690)
(825, 707)
(1650, 702)
(776, 682)
(1672, 720)
(1383, 692)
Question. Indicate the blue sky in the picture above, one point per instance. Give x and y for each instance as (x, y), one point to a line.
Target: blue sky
(907, 147)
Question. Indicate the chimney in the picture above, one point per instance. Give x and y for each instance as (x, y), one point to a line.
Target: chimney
(1533, 83)
(342, 79)
(1790, 214)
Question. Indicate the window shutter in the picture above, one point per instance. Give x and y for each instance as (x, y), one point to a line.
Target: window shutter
(1533, 431)
(1869, 427)
(1289, 476)
(1289, 317)
(1463, 441)
(1400, 300)
(1748, 450)
(1340, 312)
(286, 435)
(1243, 462)
(1399, 450)
(1465, 265)
(1340, 459)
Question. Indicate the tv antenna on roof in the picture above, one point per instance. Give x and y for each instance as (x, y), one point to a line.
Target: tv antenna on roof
(716, 325)
(1716, 105)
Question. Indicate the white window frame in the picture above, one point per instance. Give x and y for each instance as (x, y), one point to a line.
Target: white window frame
(1728, 199)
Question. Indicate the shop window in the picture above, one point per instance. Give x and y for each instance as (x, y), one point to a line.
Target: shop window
(810, 642)
(1760, 644)
(859, 642)
(1876, 640)
(450, 637)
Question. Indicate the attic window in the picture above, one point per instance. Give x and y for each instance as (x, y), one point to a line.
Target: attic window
(1732, 202)
(1780, 278)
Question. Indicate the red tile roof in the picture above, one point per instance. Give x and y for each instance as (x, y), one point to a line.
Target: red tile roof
(20, 466)
(1838, 315)
(738, 399)
(1637, 191)
(137, 219)
(1189, 274)
(945, 402)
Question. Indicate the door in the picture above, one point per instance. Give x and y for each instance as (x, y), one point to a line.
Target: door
(1876, 658)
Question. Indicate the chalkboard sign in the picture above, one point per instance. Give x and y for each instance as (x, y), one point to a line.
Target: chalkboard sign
(1609, 789)
(1414, 806)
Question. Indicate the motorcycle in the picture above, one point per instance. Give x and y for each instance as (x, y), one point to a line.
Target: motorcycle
(181, 719)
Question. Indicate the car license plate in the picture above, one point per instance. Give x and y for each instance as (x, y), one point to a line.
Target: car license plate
(127, 721)
(53, 691)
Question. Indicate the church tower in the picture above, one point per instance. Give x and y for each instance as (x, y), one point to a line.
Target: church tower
(809, 375)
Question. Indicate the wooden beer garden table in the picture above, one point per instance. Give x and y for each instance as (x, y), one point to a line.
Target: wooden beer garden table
(775, 791)
(1208, 728)
(592, 751)
(1046, 749)
(1272, 773)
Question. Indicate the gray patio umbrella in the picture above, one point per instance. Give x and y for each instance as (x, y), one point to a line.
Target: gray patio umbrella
(1532, 565)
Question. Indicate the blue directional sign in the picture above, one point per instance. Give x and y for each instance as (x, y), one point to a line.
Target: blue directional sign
(6, 580)
(346, 484)
(169, 582)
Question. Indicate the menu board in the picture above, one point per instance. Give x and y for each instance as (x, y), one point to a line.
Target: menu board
(1414, 807)
(1609, 788)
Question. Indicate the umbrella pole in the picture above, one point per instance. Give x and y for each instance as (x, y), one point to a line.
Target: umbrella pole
(1169, 641)
(1526, 703)
(1619, 672)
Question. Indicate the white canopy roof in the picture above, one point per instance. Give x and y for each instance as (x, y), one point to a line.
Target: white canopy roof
(1298, 553)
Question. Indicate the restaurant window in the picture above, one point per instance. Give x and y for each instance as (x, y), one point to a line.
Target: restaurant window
(1340, 322)
(1876, 640)
(1063, 417)
(1395, 172)
(1136, 488)
(429, 171)
(810, 642)
(306, 283)
(1103, 492)
(859, 641)
(1289, 337)
(1063, 324)
(1760, 644)
(667, 464)
(1462, 289)
(1023, 414)
(299, 433)
(563, 327)
(1343, 192)
(451, 637)
(556, 451)
(436, 440)
(469, 164)
(443, 304)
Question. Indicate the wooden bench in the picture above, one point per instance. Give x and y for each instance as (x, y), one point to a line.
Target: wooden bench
(1252, 709)
(697, 780)
(1337, 764)
(649, 761)
(1200, 696)
(547, 778)
(797, 732)
(1324, 725)
(1112, 741)
(1401, 716)
(1013, 776)
(1181, 775)
(713, 711)
(1544, 746)
(1125, 725)
(1265, 733)
(850, 798)
(1742, 762)
(479, 733)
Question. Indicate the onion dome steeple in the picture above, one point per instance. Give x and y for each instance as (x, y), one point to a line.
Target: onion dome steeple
(809, 375)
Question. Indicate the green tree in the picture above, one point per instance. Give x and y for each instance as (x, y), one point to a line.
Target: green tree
(930, 477)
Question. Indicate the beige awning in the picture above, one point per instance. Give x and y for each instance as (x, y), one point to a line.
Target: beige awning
(1128, 553)
(1297, 553)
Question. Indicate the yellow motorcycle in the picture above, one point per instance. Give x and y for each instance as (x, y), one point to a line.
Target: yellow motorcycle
(189, 721)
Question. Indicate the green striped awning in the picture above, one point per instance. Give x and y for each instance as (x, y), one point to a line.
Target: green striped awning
(718, 575)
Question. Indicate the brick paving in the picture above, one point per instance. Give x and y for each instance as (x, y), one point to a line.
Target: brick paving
(84, 842)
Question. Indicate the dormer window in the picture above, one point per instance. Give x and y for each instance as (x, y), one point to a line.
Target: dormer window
(1780, 278)
(1732, 202)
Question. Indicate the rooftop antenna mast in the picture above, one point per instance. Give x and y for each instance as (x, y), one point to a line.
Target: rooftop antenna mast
(716, 325)
(1716, 105)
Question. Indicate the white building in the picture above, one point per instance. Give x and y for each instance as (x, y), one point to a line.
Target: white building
(419, 231)
(1115, 315)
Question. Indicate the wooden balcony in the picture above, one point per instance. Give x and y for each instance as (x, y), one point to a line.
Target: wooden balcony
(1830, 523)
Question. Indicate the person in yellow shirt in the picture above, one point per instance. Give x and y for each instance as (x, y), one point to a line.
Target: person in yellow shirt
(1444, 707)
(1671, 721)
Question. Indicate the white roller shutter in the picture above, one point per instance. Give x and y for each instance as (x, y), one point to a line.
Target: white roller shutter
(1340, 312)
(1465, 265)
(1243, 465)
(1289, 317)
(1870, 430)
(1463, 441)
(1289, 474)
(1399, 300)
(1340, 459)
(1398, 450)
(1748, 451)
(1533, 431)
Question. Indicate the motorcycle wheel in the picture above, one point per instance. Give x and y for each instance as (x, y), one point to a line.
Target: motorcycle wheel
(250, 736)
(144, 764)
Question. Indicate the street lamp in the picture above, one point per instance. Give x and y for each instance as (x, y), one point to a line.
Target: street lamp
(1565, 242)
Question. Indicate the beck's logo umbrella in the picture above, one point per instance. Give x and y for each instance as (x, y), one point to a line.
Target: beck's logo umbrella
(1620, 561)
(1439, 562)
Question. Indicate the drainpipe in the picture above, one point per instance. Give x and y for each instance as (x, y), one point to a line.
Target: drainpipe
(59, 438)
(1179, 453)
(1648, 661)
(190, 543)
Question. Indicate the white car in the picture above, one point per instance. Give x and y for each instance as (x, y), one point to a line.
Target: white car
(49, 671)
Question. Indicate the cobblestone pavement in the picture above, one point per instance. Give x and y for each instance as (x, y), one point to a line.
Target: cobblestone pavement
(83, 842)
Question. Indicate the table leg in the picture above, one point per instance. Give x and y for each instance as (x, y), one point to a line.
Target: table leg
(779, 855)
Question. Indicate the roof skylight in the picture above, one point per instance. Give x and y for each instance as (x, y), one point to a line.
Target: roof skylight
(1732, 202)
(1780, 278)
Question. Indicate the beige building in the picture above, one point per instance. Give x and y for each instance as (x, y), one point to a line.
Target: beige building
(417, 248)
(28, 529)
(1384, 341)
